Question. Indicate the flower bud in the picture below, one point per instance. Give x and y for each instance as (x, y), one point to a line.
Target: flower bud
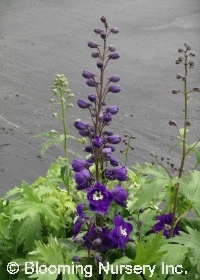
(80, 125)
(103, 35)
(107, 117)
(114, 139)
(114, 78)
(98, 229)
(112, 109)
(98, 258)
(180, 50)
(93, 45)
(114, 30)
(70, 95)
(100, 64)
(70, 105)
(83, 104)
(178, 76)
(95, 54)
(55, 91)
(192, 54)
(112, 48)
(98, 30)
(114, 56)
(87, 74)
(175, 91)
(187, 46)
(191, 63)
(88, 149)
(184, 78)
(55, 115)
(92, 97)
(172, 123)
(107, 152)
(113, 161)
(84, 132)
(103, 19)
(114, 88)
(97, 141)
(90, 83)
(196, 89)
(53, 101)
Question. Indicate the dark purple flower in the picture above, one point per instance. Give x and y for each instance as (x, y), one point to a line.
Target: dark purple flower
(114, 78)
(112, 109)
(114, 139)
(103, 35)
(83, 104)
(114, 30)
(98, 30)
(120, 195)
(92, 97)
(112, 48)
(80, 164)
(97, 240)
(107, 117)
(100, 64)
(114, 88)
(87, 74)
(114, 56)
(99, 198)
(113, 161)
(95, 54)
(93, 45)
(97, 141)
(120, 234)
(107, 152)
(117, 173)
(80, 125)
(83, 179)
(164, 225)
(103, 19)
(79, 219)
(88, 149)
(84, 132)
(91, 83)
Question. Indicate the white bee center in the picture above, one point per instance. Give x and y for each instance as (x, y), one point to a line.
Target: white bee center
(123, 231)
(167, 227)
(97, 195)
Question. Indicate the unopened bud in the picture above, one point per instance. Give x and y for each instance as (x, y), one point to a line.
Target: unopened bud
(179, 76)
(70, 95)
(175, 91)
(55, 115)
(172, 123)
(53, 101)
(192, 54)
(196, 89)
(76, 259)
(70, 105)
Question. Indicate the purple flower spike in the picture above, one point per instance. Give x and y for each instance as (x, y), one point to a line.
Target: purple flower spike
(95, 54)
(114, 79)
(114, 30)
(112, 48)
(117, 173)
(103, 19)
(80, 164)
(164, 225)
(93, 45)
(91, 83)
(114, 56)
(120, 234)
(112, 109)
(97, 142)
(83, 104)
(107, 117)
(87, 74)
(83, 179)
(92, 97)
(114, 139)
(120, 195)
(80, 125)
(99, 198)
(98, 30)
(114, 88)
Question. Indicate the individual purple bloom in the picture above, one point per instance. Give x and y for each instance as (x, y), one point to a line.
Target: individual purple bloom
(88, 149)
(103, 19)
(80, 125)
(114, 56)
(97, 240)
(95, 54)
(120, 234)
(84, 132)
(114, 78)
(97, 141)
(92, 97)
(91, 83)
(100, 64)
(112, 109)
(106, 152)
(98, 30)
(79, 219)
(114, 88)
(117, 173)
(83, 179)
(120, 195)
(107, 117)
(83, 104)
(87, 74)
(80, 164)
(164, 225)
(114, 139)
(93, 45)
(99, 198)
(112, 48)
(114, 30)
(113, 161)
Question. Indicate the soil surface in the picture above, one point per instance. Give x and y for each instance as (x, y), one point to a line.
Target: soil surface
(39, 39)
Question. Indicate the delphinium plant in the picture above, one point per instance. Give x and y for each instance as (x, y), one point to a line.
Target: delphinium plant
(100, 176)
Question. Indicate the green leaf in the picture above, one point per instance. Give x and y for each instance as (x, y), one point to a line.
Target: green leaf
(48, 144)
(149, 253)
(197, 154)
(191, 190)
(176, 145)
